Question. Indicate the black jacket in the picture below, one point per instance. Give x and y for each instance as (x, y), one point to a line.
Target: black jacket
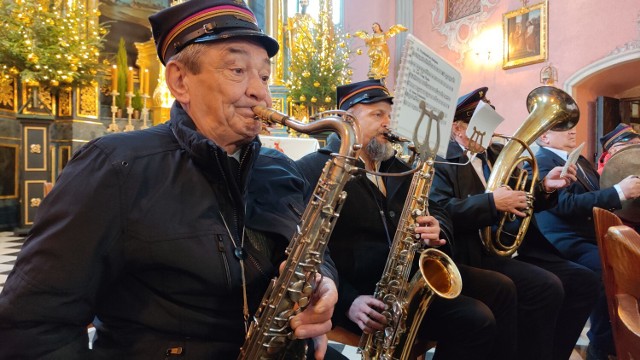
(366, 226)
(459, 190)
(133, 235)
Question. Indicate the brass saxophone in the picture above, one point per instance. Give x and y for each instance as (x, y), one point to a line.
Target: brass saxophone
(270, 335)
(407, 300)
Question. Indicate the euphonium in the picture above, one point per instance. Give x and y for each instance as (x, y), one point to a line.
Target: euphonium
(549, 108)
(269, 334)
(407, 300)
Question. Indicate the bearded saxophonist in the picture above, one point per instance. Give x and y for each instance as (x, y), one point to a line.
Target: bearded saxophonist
(464, 328)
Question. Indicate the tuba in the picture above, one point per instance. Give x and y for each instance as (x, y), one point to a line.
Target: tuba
(407, 299)
(270, 335)
(549, 109)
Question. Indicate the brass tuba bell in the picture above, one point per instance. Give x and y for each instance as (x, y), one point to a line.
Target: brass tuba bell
(549, 109)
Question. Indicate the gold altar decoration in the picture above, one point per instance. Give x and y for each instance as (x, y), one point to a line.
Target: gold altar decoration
(378, 50)
(274, 28)
(54, 42)
(318, 58)
(162, 99)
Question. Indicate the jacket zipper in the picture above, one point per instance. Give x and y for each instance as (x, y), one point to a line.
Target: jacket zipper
(223, 254)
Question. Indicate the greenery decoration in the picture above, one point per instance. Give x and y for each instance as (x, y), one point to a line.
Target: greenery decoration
(56, 42)
(136, 101)
(123, 67)
(319, 59)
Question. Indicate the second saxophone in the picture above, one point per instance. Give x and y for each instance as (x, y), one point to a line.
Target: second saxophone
(407, 299)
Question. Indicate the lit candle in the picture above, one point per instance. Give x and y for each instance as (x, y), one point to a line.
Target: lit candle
(146, 81)
(130, 81)
(114, 78)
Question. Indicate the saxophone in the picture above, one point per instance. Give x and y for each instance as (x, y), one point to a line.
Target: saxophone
(407, 300)
(270, 335)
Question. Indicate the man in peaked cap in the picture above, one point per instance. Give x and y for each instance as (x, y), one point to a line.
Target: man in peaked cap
(145, 233)
(467, 104)
(459, 186)
(619, 138)
(570, 227)
(464, 328)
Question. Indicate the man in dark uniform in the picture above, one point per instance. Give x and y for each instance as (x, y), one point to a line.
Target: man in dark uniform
(145, 233)
(543, 301)
(570, 228)
(465, 328)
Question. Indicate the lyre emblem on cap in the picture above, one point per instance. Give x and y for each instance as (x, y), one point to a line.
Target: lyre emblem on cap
(209, 27)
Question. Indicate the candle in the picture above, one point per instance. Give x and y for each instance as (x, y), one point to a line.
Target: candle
(146, 81)
(114, 78)
(130, 81)
(141, 81)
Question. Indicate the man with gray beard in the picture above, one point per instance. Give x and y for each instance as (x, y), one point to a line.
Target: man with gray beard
(464, 327)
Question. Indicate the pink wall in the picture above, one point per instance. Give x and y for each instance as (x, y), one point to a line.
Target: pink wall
(579, 33)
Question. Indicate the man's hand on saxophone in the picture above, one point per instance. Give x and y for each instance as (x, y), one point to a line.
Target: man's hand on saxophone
(429, 231)
(365, 312)
(315, 321)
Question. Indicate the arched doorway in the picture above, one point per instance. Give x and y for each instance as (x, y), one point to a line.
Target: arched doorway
(616, 76)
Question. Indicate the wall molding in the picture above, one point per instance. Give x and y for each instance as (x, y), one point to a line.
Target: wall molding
(453, 30)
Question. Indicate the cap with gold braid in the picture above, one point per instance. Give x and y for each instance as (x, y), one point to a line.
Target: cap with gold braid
(467, 104)
(201, 21)
(365, 92)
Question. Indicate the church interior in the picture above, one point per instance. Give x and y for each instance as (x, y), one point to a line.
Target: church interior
(104, 76)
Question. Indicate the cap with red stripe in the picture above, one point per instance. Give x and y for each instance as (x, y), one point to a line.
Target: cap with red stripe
(201, 21)
(622, 133)
(363, 92)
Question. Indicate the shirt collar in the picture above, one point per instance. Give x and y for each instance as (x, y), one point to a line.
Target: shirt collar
(563, 154)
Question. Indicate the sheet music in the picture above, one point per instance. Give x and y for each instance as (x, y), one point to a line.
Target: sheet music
(424, 76)
(572, 158)
(482, 126)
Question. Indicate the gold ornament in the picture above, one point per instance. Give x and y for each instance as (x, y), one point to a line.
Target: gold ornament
(359, 51)
(349, 72)
(316, 84)
(32, 82)
(327, 99)
(54, 83)
(314, 99)
(306, 74)
(303, 98)
(32, 58)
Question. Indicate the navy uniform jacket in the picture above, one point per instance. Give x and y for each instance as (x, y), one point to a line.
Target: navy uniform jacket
(132, 238)
(570, 223)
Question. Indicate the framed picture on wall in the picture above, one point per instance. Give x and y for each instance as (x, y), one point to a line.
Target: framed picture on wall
(525, 36)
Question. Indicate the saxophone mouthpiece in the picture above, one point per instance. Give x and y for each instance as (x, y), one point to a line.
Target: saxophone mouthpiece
(394, 138)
